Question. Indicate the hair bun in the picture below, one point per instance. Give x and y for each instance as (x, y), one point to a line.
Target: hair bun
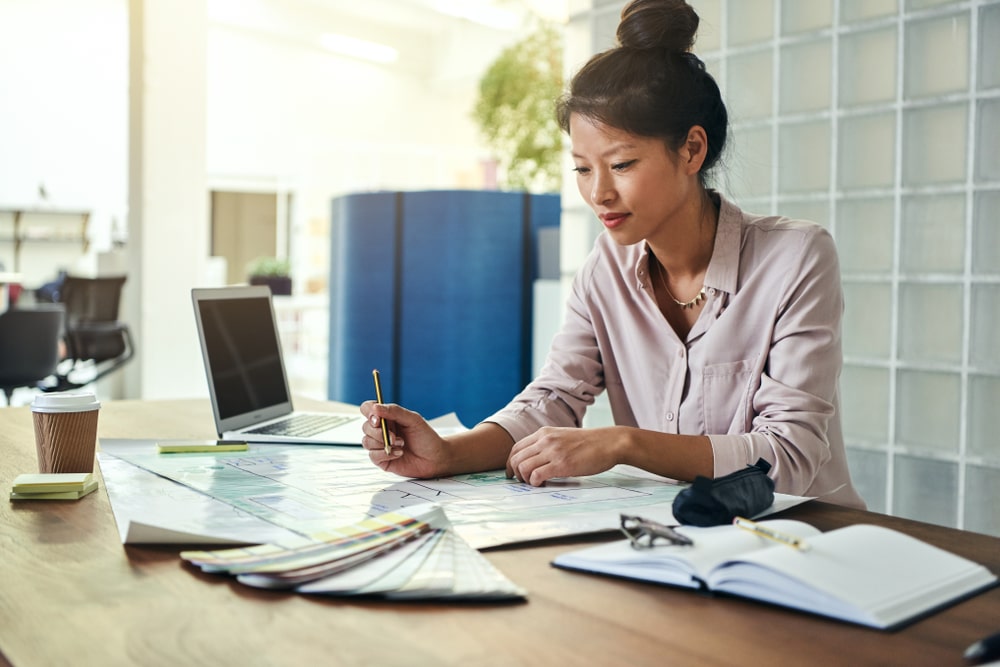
(658, 24)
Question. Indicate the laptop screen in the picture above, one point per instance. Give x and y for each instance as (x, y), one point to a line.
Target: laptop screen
(242, 354)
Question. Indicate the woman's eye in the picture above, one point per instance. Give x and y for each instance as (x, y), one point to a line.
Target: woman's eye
(581, 170)
(621, 166)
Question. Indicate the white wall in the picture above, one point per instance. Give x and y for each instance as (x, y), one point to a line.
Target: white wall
(63, 108)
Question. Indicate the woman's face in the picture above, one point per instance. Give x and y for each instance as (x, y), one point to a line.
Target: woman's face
(634, 184)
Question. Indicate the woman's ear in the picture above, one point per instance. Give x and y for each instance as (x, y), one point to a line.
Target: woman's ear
(694, 149)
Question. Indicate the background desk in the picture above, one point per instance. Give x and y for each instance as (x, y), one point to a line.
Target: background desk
(71, 594)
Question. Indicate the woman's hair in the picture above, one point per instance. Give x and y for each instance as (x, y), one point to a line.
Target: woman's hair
(650, 84)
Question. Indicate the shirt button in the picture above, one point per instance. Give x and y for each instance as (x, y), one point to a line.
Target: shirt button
(711, 290)
(670, 416)
(680, 354)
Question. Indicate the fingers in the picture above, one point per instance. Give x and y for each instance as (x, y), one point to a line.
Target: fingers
(372, 428)
(529, 463)
(391, 412)
(397, 418)
(374, 414)
(377, 453)
(374, 442)
(512, 461)
(517, 456)
(534, 471)
(372, 438)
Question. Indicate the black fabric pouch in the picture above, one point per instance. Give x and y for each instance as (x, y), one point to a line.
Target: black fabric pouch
(713, 502)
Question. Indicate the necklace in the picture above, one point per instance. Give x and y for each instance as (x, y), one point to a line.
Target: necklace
(698, 298)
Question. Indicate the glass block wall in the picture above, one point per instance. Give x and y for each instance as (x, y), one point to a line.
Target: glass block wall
(879, 119)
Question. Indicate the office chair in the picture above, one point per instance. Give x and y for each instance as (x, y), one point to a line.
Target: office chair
(93, 331)
(29, 346)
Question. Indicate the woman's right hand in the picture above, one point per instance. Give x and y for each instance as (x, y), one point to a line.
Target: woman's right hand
(417, 449)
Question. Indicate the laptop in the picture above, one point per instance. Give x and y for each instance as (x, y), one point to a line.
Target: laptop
(246, 373)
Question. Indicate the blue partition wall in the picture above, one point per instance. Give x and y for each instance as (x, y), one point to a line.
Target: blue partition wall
(435, 290)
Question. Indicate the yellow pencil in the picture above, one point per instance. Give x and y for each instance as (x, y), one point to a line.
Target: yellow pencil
(770, 533)
(378, 399)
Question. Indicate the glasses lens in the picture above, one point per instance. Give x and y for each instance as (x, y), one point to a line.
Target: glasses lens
(636, 528)
(632, 529)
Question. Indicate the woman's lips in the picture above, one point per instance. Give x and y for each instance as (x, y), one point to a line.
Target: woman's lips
(612, 220)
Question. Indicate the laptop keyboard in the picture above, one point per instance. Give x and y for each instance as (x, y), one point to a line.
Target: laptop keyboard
(302, 425)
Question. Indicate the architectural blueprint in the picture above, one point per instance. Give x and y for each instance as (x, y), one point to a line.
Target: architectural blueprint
(306, 489)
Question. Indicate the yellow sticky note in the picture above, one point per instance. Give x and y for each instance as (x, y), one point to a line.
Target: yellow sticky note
(53, 482)
(182, 446)
(56, 495)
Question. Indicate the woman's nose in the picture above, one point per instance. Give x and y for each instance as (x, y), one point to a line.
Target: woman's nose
(601, 192)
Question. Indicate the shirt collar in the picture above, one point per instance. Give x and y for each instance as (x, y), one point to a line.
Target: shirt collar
(724, 267)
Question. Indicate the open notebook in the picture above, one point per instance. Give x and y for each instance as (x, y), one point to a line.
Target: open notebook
(246, 373)
(863, 574)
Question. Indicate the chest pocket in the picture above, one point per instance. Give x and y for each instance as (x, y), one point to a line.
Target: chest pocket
(726, 388)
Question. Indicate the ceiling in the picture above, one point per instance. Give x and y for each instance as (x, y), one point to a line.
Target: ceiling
(415, 29)
(429, 14)
(418, 16)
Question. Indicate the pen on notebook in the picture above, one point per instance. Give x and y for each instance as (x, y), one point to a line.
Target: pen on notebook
(770, 533)
(987, 648)
(378, 399)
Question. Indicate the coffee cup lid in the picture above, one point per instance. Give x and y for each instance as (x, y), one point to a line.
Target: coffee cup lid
(65, 402)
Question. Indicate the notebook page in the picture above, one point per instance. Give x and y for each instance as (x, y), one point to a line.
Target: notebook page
(864, 573)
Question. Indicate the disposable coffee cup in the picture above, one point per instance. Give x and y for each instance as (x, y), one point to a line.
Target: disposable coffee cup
(65, 431)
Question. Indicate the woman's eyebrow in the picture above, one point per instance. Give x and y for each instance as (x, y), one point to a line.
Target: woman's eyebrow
(611, 151)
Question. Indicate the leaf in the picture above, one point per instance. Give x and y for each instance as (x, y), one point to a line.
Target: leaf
(515, 110)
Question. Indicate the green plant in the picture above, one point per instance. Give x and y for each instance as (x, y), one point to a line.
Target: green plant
(515, 110)
(269, 266)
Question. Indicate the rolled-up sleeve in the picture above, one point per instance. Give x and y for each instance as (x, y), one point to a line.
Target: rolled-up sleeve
(571, 377)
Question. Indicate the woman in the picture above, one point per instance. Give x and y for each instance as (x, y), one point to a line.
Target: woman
(716, 333)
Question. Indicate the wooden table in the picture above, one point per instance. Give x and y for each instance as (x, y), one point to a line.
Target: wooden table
(71, 594)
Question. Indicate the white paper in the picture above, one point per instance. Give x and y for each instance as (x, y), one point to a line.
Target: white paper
(150, 509)
(286, 492)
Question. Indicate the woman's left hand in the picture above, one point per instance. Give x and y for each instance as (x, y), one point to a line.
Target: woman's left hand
(565, 452)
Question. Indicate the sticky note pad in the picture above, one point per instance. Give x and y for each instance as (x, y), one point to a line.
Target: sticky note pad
(69, 490)
(182, 446)
(51, 482)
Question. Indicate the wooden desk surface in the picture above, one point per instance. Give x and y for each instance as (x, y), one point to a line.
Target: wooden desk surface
(71, 594)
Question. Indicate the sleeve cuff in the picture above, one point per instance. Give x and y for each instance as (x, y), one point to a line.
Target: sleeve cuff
(732, 453)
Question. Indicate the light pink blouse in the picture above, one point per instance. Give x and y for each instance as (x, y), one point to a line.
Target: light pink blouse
(758, 373)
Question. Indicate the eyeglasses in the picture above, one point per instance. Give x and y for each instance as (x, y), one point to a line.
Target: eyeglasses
(642, 533)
